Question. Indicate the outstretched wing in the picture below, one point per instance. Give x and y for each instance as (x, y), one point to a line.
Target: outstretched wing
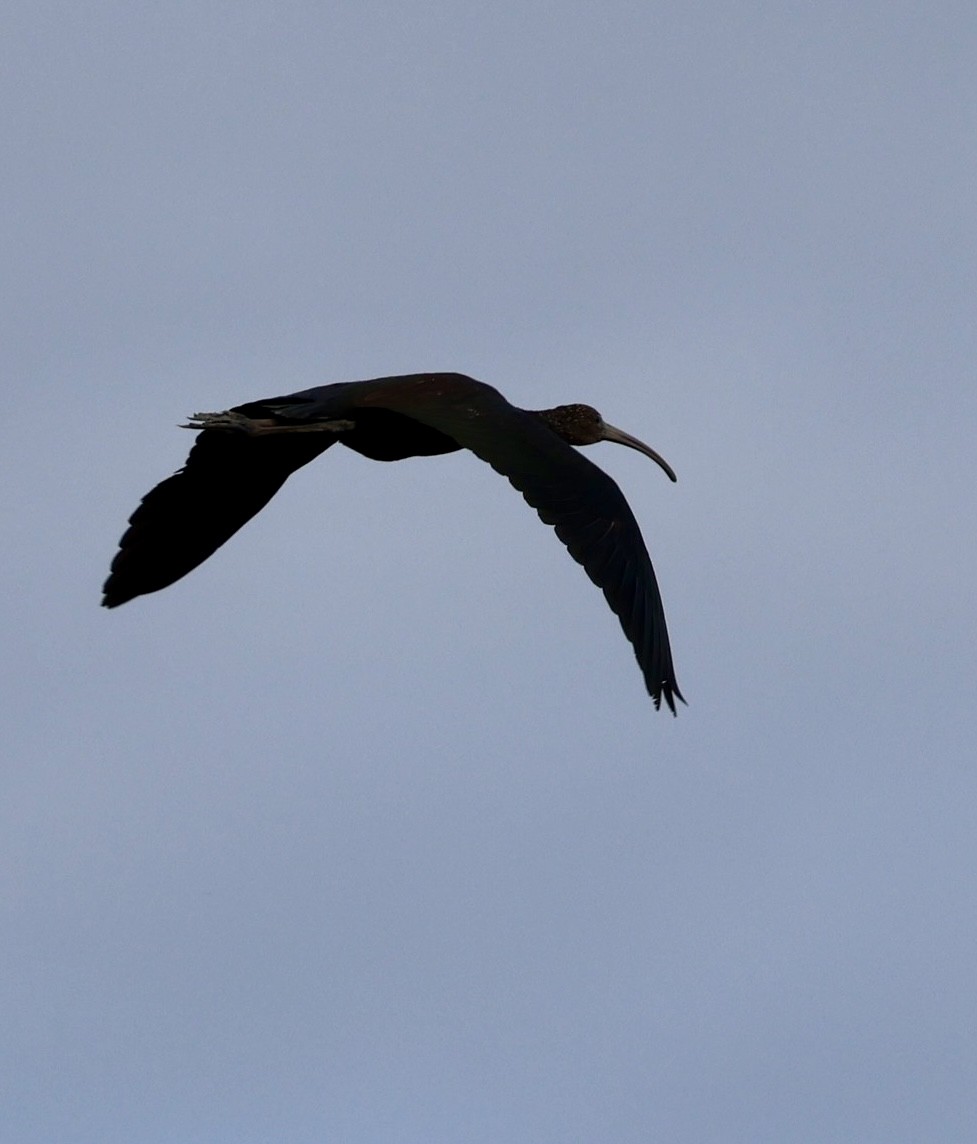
(593, 520)
(581, 502)
(228, 478)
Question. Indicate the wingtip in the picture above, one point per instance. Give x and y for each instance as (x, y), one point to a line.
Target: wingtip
(111, 596)
(670, 692)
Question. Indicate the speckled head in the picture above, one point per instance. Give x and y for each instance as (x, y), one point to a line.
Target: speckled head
(583, 425)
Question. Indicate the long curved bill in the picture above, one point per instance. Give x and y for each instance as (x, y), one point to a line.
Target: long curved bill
(609, 433)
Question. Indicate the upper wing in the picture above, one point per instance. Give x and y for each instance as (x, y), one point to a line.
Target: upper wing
(582, 503)
(228, 477)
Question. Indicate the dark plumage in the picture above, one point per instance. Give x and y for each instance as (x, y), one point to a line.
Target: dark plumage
(242, 458)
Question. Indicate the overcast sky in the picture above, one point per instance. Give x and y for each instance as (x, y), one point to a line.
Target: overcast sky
(367, 830)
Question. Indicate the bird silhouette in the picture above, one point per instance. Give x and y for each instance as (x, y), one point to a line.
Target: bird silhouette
(243, 456)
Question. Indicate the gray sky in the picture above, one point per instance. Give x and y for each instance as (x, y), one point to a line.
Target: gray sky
(367, 831)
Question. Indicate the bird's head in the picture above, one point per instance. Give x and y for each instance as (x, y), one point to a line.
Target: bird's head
(583, 425)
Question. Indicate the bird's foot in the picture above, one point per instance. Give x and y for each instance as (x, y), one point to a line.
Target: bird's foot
(230, 421)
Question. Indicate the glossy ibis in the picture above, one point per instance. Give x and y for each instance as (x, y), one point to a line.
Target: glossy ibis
(243, 456)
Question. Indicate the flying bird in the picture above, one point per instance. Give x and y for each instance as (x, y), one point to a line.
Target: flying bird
(243, 456)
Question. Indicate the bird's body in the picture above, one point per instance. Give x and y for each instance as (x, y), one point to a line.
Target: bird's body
(242, 457)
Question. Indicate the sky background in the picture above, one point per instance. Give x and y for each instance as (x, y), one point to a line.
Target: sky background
(367, 830)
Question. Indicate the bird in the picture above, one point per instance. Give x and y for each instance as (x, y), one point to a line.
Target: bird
(242, 456)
